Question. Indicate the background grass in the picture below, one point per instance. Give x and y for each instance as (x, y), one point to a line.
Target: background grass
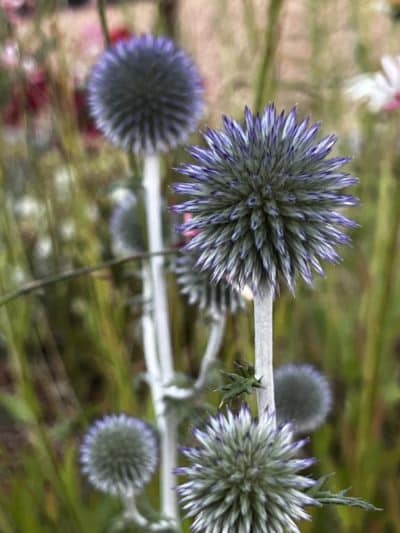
(72, 352)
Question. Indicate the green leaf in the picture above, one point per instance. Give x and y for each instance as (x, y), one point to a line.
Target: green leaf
(325, 497)
(244, 382)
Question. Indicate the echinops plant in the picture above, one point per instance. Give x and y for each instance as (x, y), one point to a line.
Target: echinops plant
(264, 208)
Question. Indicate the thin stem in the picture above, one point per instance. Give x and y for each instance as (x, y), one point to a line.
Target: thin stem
(150, 349)
(250, 23)
(263, 304)
(270, 47)
(101, 9)
(378, 305)
(213, 346)
(168, 14)
(152, 187)
(71, 274)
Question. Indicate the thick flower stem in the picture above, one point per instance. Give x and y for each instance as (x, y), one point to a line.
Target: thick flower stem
(263, 303)
(152, 186)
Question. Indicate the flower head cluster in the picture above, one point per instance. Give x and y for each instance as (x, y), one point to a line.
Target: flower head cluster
(119, 454)
(145, 94)
(125, 225)
(381, 90)
(265, 200)
(302, 396)
(244, 477)
(215, 298)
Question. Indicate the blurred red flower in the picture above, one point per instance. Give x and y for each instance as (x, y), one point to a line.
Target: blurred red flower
(30, 98)
(119, 34)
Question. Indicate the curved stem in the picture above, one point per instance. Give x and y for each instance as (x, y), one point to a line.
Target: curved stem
(210, 355)
(263, 304)
(101, 9)
(132, 514)
(42, 283)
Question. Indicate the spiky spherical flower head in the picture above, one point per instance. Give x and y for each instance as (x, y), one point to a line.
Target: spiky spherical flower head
(264, 199)
(303, 396)
(119, 454)
(145, 94)
(126, 226)
(215, 298)
(244, 477)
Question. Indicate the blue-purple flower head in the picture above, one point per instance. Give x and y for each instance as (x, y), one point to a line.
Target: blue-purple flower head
(244, 477)
(145, 94)
(214, 298)
(119, 454)
(303, 397)
(266, 200)
(126, 228)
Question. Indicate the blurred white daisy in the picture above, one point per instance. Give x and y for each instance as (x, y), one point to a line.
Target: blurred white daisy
(380, 90)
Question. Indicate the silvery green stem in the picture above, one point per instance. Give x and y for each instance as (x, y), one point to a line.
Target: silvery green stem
(133, 515)
(209, 358)
(150, 347)
(152, 186)
(213, 347)
(263, 304)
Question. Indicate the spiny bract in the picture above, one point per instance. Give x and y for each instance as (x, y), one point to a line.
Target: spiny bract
(302, 396)
(264, 200)
(119, 454)
(215, 298)
(145, 94)
(244, 477)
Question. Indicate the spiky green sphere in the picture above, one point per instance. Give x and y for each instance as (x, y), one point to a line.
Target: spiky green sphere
(244, 477)
(302, 397)
(119, 454)
(214, 298)
(265, 201)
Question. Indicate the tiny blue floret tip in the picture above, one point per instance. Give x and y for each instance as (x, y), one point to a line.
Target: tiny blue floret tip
(245, 477)
(265, 201)
(119, 455)
(145, 94)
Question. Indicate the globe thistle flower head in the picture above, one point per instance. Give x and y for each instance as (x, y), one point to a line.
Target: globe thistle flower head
(214, 298)
(244, 477)
(119, 454)
(264, 199)
(302, 396)
(145, 94)
(125, 226)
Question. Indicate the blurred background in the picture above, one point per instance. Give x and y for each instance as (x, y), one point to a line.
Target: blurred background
(71, 351)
